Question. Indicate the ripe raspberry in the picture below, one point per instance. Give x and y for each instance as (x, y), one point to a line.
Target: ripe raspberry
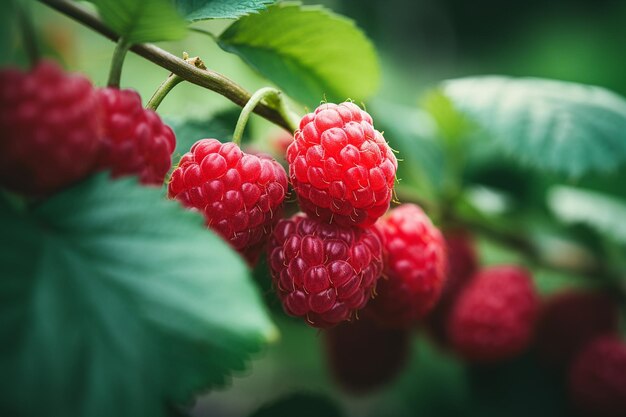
(135, 141)
(570, 320)
(240, 195)
(597, 379)
(363, 356)
(462, 264)
(49, 127)
(323, 272)
(494, 315)
(341, 167)
(415, 268)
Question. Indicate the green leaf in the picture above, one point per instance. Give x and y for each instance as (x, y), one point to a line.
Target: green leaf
(551, 125)
(219, 9)
(114, 302)
(308, 51)
(142, 20)
(597, 210)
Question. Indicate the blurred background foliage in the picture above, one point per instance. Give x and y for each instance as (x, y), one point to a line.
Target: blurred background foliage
(420, 43)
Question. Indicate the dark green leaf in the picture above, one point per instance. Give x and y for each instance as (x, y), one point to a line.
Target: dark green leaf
(114, 302)
(308, 51)
(551, 125)
(142, 20)
(219, 9)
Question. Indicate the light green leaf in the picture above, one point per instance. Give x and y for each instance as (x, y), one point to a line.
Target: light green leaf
(308, 51)
(219, 9)
(115, 302)
(552, 125)
(604, 213)
(142, 20)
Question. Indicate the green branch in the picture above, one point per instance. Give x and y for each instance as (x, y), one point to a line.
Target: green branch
(204, 78)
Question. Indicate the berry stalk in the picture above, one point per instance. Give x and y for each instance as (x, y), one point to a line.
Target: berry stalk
(270, 95)
(115, 73)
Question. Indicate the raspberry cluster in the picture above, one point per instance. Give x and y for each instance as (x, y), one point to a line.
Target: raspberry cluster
(57, 129)
(415, 267)
(494, 316)
(597, 379)
(324, 272)
(341, 168)
(240, 195)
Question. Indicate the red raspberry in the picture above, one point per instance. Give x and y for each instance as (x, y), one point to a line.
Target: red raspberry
(415, 268)
(462, 264)
(570, 320)
(363, 356)
(240, 195)
(135, 141)
(494, 315)
(323, 272)
(341, 167)
(597, 379)
(49, 126)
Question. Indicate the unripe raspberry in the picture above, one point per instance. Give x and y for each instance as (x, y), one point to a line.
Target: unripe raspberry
(494, 315)
(240, 195)
(323, 272)
(341, 168)
(135, 141)
(50, 125)
(597, 379)
(570, 320)
(364, 356)
(415, 268)
(462, 264)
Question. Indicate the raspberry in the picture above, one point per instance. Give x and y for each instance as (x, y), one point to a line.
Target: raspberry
(341, 168)
(597, 378)
(323, 272)
(415, 268)
(363, 356)
(49, 125)
(135, 141)
(570, 320)
(462, 264)
(240, 195)
(494, 315)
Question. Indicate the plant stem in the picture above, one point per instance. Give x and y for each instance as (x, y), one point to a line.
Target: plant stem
(115, 73)
(275, 99)
(166, 86)
(204, 78)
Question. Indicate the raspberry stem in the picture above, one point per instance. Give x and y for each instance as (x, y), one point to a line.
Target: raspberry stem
(172, 81)
(115, 73)
(274, 98)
